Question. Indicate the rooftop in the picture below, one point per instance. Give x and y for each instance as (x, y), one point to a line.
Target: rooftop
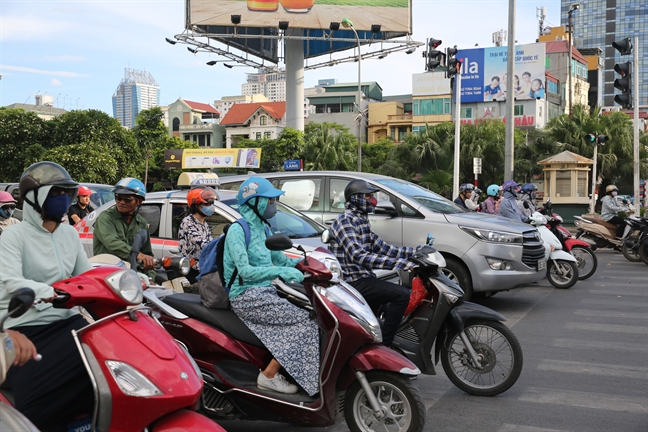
(239, 114)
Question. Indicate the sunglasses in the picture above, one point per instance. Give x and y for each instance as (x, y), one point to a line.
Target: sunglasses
(10, 206)
(56, 190)
(124, 198)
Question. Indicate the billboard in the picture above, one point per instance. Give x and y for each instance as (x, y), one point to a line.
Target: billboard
(430, 84)
(212, 158)
(483, 73)
(392, 15)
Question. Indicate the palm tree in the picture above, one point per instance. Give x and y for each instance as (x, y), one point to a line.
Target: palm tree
(328, 150)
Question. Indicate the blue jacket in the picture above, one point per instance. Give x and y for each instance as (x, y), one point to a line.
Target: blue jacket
(509, 208)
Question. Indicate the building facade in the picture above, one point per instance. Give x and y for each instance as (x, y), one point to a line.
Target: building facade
(137, 91)
(598, 23)
(254, 121)
(270, 84)
(223, 105)
(196, 122)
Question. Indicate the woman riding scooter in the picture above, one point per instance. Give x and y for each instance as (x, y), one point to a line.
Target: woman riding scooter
(610, 210)
(490, 204)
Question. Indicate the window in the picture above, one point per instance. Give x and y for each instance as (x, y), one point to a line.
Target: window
(563, 183)
(176, 124)
(152, 214)
(581, 186)
(263, 120)
(266, 135)
(402, 131)
(518, 110)
(431, 106)
(466, 113)
(552, 87)
(301, 194)
(258, 135)
(336, 194)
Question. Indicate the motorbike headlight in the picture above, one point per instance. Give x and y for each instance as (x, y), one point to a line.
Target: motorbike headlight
(437, 258)
(329, 260)
(351, 301)
(127, 285)
(493, 236)
(131, 381)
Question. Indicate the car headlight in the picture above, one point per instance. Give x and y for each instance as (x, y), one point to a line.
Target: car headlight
(131, 381)
(493, 236)
(127, 285)
(351, 301)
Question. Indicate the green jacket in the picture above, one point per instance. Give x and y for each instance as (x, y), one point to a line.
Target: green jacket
(112, 235)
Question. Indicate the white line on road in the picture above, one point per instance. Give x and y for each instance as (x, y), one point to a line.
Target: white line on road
(613, 328)
(613, 302)
(611, 314)
(598, 345)
(633, 372)
(599, 401)
(519, 428)
(616, 292)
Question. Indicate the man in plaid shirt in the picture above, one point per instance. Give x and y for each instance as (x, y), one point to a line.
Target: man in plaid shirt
(360, 250)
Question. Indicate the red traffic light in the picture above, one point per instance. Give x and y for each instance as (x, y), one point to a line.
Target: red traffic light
(434, 43)
(623, 69)
(624, 46)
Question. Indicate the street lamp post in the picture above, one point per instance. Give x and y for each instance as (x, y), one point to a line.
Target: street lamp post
(572, 8)
(347, 23)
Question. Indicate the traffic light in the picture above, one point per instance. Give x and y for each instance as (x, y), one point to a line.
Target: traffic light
(454, 64)
(595, 138)
(624, 84)
(434, 56)
(624, 46)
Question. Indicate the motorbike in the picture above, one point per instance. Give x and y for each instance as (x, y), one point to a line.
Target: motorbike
(595, 231)
(581, 250)
(479, 354)
(562, 268)
(143, 379)
(636, 230)
(643, 250)
(361, 380)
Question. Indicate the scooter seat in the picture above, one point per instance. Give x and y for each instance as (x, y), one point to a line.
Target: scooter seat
(599, 220)
(223, 319)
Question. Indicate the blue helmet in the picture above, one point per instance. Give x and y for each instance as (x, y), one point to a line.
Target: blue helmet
(130, 186)
(529, 188)
(492, 190)
(256, 187)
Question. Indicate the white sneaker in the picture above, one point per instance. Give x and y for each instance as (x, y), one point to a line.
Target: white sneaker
(278, 384)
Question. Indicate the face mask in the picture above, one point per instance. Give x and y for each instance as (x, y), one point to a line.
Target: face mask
(57, 205)
(614, 193)
(270, 211)
(208, 210)
(6, 212)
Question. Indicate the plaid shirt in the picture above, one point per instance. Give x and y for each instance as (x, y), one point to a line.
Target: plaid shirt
(360, 250)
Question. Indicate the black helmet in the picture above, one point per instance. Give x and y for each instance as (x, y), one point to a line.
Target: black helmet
(466, 187)
(358, 187)
(45, 174)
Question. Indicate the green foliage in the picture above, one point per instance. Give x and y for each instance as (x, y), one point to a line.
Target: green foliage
(289, 145)
(329, 146)
(21, 134)
(374, 156)
(86, 162)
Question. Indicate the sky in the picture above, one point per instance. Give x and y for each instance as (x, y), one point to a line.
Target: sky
(76, 50)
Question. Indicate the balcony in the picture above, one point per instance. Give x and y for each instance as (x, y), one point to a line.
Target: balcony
(399, 117)
(200, 127)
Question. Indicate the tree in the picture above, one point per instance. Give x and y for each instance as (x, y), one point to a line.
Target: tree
(86, 162)
(152, 137)
(375, 155)
(21, 134)
(329, 146)
(288, 145)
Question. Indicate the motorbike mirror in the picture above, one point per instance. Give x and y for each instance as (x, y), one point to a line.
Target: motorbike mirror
(326, 236)
(140, 239)
(21, 301)
(386, 207)
(278, 242)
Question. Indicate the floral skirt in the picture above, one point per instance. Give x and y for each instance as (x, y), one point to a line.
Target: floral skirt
(286, 330)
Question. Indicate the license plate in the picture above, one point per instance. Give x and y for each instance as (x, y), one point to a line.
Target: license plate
(542, 264)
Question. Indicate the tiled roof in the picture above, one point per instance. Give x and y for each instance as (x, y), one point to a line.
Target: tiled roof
(561, 47)
(550, 76)
(566, 157)
(239, 113)
(202, 107)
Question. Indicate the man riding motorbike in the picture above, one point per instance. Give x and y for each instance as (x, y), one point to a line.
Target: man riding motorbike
(116, 228)
(526, 199)
(7, 207)
(508, 207)
(464, 199)
(610, 210)
(35, 254)
(360, 250)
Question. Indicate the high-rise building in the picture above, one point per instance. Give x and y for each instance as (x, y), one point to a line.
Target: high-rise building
(270, 84)
(598, 23)
(136, 92)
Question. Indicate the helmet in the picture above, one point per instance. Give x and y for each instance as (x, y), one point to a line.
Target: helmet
(358, 186)
(492, 190)
(509, 184)
(84, 191)
(466, 187)
(199, 195)
(5, 197)
(130, 186)
(611, 188)
(256, 187)
(529, 188)
(44, 174)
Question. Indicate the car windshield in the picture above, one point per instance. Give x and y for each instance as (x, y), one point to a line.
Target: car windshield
(423, 196)
(101, 195)
(288, 221)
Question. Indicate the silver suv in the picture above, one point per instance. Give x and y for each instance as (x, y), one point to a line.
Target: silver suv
(484, 253)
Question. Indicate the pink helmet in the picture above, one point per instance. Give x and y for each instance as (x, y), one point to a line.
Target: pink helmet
(5, 197)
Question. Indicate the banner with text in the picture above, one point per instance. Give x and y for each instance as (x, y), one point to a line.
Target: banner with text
(212, 158)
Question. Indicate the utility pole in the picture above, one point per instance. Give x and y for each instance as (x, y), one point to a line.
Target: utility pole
(637, 201)
(510, 101)
(572, 8)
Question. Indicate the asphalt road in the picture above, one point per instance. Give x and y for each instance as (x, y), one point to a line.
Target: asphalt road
(585, 362)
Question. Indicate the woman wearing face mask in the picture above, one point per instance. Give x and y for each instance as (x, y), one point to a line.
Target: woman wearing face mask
(610, 209)
(7, 207)
(284, 329)
(36, 253)
(194, 232)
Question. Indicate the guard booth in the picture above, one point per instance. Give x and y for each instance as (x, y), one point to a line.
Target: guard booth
(566, 184)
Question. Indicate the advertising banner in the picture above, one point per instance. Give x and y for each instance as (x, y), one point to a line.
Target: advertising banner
(212, 158)
(392, 15)
(430, 84)
(484, 77)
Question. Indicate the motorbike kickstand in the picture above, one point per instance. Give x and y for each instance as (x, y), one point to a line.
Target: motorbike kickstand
(371, 397)
(471, 351)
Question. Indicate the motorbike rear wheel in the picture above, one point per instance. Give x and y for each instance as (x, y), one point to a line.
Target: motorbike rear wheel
(500, 353)
(643, 251)
(630, 252)
(585, 260)
(559, 280)
(400, 401)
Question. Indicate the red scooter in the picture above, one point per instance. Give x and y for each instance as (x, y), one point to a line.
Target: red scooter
(581, 250)
(369, 384)
(142, 378)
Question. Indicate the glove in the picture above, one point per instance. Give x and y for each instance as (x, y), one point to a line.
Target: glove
(526, 204)
(290, 274)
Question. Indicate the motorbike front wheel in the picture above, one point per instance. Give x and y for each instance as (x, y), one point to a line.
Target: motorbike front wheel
(557, 278)
(498, 350)
(585, 260)
(400, 401)
(643, 251)
(630, 252)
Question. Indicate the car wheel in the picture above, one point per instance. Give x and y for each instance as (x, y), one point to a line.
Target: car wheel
(458, 273)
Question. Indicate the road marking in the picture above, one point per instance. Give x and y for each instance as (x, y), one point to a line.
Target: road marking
(519, 428)
(619, 293)
(634, 372)
(611, 314)
(614, 346)
(612, 328)
(599, 401)
(614, 302)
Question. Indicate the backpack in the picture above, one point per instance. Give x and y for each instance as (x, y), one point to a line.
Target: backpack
(214, 293)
